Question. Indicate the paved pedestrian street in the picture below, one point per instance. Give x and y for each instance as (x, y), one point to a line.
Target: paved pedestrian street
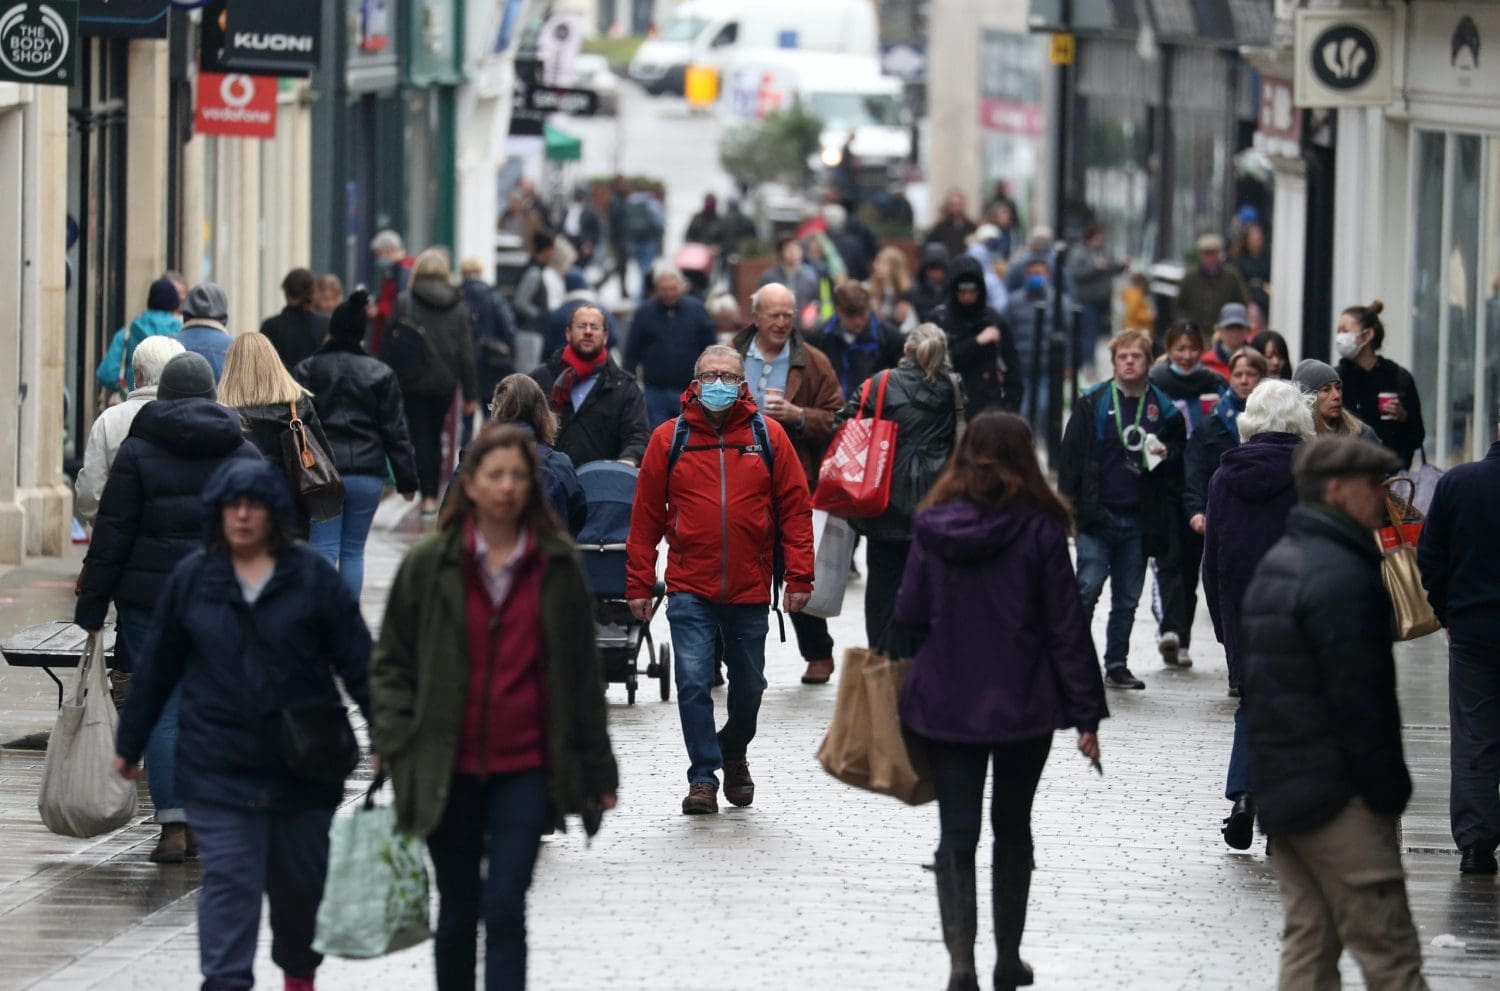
(816, 885)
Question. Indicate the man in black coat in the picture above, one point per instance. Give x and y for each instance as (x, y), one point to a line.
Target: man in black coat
(857, 344)
(979, 341)
(1324, 726)
(296, 331)
(600, 408)
(667, 334)
(1460, 563)
(494, 327)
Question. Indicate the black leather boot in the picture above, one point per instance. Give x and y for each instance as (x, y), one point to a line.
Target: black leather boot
(1239, 827)
(959, 909)
(1012, 890)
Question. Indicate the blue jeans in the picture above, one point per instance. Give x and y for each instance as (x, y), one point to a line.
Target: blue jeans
(161, 746)
(644, 254)
(498, 822)
(694, 622)
(1113, 551)
(1239, 781)
(248, 855)
(663, 404)
(342, 539)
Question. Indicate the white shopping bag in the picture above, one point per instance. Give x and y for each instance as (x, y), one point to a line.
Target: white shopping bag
(834, 539)
(81, 795)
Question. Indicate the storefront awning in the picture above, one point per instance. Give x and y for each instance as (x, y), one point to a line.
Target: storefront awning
(561, 146)
(1220, 23)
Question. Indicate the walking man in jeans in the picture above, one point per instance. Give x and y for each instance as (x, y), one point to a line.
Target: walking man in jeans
(1121, 467)
(1461, 570)
(724, 487)
(1324, 726)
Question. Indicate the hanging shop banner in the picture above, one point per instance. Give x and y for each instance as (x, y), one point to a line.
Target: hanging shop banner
(1344, 57)
(236, 105)
(38, 41)
(123, 18)
(274, 37)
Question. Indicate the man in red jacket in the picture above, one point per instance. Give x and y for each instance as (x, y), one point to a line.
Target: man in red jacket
(723, 503)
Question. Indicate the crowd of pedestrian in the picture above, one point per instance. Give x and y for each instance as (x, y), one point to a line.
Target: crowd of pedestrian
(1211, 458)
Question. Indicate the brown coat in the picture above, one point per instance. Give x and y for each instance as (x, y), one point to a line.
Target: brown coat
(812, 384)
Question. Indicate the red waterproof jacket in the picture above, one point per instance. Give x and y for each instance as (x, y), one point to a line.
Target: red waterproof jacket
(719, 511)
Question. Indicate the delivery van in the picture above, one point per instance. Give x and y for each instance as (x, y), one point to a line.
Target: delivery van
(716, 32)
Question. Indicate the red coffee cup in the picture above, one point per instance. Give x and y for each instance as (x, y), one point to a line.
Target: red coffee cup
(1207, 402)
(1386, 400)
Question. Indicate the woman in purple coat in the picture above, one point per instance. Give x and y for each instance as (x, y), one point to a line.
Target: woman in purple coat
(1249, 498)
(1005, 660)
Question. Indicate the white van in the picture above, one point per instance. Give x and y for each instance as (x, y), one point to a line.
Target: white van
(715, 32)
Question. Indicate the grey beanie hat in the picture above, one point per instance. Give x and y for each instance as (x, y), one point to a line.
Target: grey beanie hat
(1312, 374)
(206, 301)
(187, 376)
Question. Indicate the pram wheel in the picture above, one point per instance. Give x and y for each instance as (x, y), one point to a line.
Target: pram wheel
(664, 671)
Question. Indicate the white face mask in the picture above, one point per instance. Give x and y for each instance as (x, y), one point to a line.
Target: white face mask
(1347, 345)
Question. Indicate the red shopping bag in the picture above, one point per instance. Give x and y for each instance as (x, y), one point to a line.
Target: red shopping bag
(855, 479)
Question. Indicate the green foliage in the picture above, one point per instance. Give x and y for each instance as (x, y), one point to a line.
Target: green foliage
(619, 51)
(774, 150)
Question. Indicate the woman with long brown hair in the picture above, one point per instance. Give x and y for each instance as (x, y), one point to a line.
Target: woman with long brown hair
(1005, 659)
(488, 701)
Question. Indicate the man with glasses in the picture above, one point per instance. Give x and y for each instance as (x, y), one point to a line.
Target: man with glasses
(795, 385)
(725, 504)
(601, 411)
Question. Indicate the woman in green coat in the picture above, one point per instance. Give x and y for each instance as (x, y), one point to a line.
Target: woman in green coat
(489, 702)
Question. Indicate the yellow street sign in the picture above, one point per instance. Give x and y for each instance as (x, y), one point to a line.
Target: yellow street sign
(1064, 49)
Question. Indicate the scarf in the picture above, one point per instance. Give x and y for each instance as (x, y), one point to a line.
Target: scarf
(575, 369)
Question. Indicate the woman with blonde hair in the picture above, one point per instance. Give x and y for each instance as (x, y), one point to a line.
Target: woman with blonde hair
(923, 397)
(889, 284)
(257, 386)
(434, 303)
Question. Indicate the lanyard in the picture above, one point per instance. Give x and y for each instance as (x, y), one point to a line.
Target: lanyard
(1140, 441)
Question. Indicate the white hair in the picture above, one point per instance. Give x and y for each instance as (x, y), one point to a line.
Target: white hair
(835, 216)
(386, 240)
(151, 356)
(1277, 406)
(723, 304)
(755, 296)
(723, 351)
(663, 269)
(927, 346)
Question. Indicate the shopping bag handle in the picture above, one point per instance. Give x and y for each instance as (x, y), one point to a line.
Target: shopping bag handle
(375, 786)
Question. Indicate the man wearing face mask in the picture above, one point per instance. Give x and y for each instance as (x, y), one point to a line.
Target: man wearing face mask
(601, 411)
(1205, 289)
(724, 486)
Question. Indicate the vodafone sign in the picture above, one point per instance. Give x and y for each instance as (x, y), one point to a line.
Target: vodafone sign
(236, 106)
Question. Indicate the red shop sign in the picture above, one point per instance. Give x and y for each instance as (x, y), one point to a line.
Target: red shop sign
(236, 106)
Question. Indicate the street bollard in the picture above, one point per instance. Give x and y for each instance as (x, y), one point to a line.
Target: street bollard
(1038, 346)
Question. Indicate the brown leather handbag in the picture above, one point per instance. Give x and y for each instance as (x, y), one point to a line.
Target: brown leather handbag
(310, 472)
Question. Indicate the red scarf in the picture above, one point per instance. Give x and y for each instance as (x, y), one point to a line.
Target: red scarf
(578, 369)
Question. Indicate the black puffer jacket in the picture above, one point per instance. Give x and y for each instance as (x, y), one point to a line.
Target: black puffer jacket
(360, 403)
(1320, 682)
(611, 423)
(927, 424)
(992, 373)
(150, 515)
(439, 308)
(265, 426)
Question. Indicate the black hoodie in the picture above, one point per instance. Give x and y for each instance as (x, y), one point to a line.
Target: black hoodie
(992, 373)
(438, 307)
(925, 297)
(151, 515)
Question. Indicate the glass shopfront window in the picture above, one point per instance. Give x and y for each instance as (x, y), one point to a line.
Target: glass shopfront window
(1455, 305)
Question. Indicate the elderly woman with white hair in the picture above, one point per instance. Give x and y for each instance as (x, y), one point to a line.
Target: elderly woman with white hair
(1249, 498)
(924, 398)
(113, 425)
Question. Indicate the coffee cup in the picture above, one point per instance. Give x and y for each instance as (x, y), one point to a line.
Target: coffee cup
(1208, 401)
(1385, 400)
(773, 396)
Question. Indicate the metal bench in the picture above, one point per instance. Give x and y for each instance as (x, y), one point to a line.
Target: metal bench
(53, 645)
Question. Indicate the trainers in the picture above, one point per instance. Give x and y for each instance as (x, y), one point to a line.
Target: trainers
(1169, 646)
(818, 672)
(1184, 659)
(1122, 678)
(738, 787)
(702, 799)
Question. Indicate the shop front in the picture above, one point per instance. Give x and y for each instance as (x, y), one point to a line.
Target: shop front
(433, 70)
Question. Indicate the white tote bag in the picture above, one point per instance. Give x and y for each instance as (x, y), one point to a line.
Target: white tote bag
(81, 795)
(835, 542)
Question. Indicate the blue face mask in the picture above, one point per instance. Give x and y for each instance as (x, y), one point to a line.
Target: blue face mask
(718, 396)
(1178, 371)
(1036, 284)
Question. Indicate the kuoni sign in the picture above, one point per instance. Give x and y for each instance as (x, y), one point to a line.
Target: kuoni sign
(38, 41)
(236, 106)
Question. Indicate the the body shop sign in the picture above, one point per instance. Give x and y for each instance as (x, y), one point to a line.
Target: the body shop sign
(236, 106)
(38, 41)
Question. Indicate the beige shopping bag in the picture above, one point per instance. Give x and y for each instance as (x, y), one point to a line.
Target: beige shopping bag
(865, 745)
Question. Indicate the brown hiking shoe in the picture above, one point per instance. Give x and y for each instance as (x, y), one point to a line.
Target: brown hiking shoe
(738, 787)
(818, 672)
(171, 847)
(702, 799)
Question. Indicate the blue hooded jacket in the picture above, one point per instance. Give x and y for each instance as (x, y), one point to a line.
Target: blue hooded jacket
(152, 323)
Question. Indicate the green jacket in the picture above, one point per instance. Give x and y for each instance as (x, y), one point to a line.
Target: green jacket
(419, 679)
